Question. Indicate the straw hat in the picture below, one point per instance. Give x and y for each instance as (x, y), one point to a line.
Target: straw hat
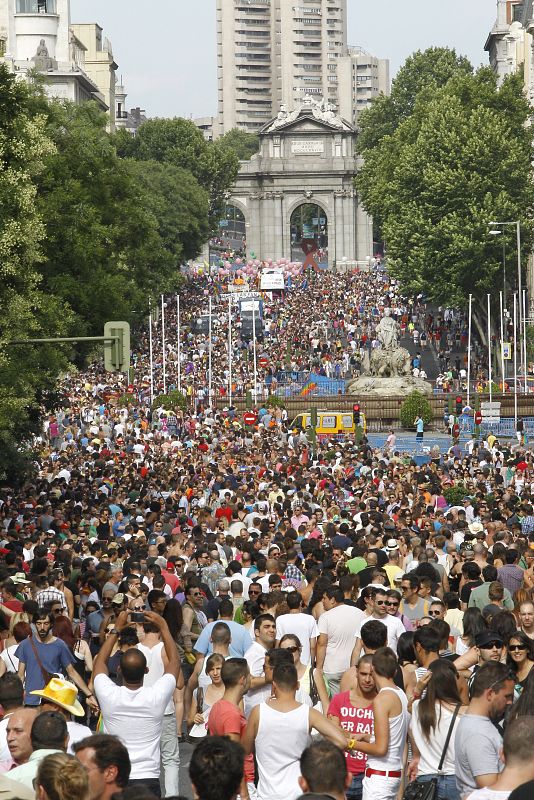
(62, 693)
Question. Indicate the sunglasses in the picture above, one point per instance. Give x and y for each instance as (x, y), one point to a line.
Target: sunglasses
(255, 591)
(434, 613)
(138, 608)
(512, 647)
(492, 646)
(380, 603)
(393, 605)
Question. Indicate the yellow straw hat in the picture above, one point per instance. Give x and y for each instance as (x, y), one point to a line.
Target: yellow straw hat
(62, 693)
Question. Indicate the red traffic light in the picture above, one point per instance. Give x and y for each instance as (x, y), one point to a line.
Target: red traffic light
(356, 407)
(459, 400)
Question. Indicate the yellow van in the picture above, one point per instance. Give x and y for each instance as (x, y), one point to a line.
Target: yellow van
(331, 423)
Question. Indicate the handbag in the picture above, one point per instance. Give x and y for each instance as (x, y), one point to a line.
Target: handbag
(199, 730)
(428, 790)
(314, 694)
(47, 676)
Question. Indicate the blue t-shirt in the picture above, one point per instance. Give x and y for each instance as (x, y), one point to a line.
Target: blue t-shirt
(55, 657)
(239, 643)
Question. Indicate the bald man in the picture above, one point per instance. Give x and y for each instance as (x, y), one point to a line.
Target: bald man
(134, 712)
(18, 735)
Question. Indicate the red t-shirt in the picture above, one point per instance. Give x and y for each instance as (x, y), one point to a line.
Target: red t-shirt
(226, 719)
(224, 512)
(354, 720)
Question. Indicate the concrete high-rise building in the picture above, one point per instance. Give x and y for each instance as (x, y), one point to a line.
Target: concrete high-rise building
(361, 78)
(37, 35)
(509, 43)
(273, 53)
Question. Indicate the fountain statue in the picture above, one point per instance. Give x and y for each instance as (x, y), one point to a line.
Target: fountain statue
(388, 372)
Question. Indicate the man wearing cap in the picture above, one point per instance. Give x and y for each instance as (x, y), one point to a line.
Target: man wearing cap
(62, 696)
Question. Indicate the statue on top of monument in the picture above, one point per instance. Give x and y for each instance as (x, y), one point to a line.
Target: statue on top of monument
(388, 331)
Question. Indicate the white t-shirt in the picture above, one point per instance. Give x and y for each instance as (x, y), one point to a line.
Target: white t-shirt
(255, 657)
(136, 717)
(340, 624)
(394, 626)
(487, 793)
(301, 625)
(9, 658)
(77, 732)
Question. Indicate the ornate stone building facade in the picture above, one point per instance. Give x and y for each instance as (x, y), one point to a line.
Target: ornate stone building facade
(300, 188)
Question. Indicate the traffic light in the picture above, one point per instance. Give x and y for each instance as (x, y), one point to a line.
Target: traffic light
(459, 405)
(117, 348)
(478, 417)
(356, 414)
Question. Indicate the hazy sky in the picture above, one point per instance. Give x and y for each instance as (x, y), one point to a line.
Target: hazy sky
(166, 49)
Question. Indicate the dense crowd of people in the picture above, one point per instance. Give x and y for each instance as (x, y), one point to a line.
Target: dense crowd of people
(333, 621)
(340, 313)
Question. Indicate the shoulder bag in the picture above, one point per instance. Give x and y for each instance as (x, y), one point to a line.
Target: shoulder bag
(47, 676)
(428, 790)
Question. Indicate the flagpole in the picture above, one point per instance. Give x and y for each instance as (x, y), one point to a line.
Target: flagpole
(209, 353)
(469, 350)
(163, 344)
(230, 349)
(515, 361)
(179, 343)
(525, 339)
(151, 355)
(502, 344)
(489, 347)
(254, 351)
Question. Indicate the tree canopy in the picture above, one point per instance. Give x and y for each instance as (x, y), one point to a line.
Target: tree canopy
(180, 143)
(456, 156)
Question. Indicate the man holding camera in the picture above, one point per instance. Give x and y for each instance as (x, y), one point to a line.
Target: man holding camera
(124, 706)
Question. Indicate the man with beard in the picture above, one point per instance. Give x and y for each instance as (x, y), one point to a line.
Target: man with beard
(44, 655)
(478, 765)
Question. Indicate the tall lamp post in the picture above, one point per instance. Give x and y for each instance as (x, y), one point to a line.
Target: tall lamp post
(496, 232)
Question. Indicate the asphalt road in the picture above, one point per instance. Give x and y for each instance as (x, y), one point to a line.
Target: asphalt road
(185, 756)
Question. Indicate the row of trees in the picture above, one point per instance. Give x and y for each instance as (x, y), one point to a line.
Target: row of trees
(447, 153)
(91, 226)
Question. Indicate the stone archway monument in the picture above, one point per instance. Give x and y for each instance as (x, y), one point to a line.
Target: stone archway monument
(297, 193)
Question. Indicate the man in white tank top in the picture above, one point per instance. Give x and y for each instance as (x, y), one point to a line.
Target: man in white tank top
(279, 729)
(385, 754)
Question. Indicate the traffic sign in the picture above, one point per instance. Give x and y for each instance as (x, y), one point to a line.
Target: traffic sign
(455, 431)
(507, 350)
(263, 362)
(491, 412)
(250, 418)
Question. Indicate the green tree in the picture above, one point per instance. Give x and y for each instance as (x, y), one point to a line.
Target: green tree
(242, 143)
(179, 142)
(459, 160)
(423, 71)
(415, 405)
(178, 203)
(26, 371)
(103, 252)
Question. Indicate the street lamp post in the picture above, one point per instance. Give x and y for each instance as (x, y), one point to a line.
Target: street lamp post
(495, 225)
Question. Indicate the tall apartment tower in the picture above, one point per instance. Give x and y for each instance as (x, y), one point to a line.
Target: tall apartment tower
(361, 78)
(274, 52)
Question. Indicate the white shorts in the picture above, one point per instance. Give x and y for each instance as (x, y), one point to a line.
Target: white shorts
(378, 787)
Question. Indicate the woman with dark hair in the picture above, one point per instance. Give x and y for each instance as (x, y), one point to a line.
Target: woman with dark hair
(406, 655)
(365, 601)
(473, 623)
(524, 706)
(504, 623)
(432, 717)
(315, 607)
(173, 615)
(520, 658)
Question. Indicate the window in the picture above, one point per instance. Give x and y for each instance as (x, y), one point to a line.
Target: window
(328, 421)
(36, 6)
